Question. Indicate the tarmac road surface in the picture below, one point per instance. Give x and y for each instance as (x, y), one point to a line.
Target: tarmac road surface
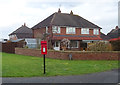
(101, 77)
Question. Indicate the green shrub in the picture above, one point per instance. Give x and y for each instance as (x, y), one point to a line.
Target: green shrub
(26, 47)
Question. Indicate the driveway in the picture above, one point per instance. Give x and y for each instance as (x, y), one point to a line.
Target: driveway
(102, 77)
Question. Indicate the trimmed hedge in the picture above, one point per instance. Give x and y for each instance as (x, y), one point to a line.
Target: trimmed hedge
(115, 45)
(100, 46)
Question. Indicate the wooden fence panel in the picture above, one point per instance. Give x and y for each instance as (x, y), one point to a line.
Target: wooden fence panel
(8, 47)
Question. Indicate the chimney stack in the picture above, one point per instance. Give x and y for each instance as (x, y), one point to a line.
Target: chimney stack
(24, 24)
(59, 11)
(71, 12)
(116, 27)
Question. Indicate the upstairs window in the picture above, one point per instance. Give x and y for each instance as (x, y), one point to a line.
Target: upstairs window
(96, 32)
(84, 31)
(46, 29)
(70, 30)
(12, 36)
(56, 29)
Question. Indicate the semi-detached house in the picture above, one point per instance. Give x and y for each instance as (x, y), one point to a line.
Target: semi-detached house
(59, 25)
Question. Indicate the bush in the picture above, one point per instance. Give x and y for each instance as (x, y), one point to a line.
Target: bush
(25, 46)
(115, 45)
(100, 46)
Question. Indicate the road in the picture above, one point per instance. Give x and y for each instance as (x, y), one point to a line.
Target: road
(101, 77)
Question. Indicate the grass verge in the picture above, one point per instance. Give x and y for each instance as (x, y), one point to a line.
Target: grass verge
(28, 66)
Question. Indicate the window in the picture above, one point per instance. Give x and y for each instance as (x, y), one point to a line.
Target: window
(56, 44)
(74, 44)
(12, 36)
(46, 29)
(70, 30)
(84, 31)
(56, 29)
(96, 31)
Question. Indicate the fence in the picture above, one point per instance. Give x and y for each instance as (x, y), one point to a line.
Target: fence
(10, 47)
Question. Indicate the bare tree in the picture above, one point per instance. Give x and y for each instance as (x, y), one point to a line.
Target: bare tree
(65, 43)
(39, 37)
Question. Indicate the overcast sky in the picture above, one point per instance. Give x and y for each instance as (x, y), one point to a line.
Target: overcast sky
(13, 13)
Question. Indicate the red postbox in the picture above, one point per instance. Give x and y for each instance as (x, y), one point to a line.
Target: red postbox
(43, 47)
(44, 51)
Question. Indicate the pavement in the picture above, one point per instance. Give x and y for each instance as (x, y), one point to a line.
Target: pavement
(101, 77)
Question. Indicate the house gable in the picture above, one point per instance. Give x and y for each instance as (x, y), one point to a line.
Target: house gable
(114, 33)
(22, 32)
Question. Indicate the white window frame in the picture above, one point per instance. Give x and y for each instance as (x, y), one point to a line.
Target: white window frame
(70, 30)
(96, 31)
(57, 42)
(84, 30)
(46, 29)
(56, 29)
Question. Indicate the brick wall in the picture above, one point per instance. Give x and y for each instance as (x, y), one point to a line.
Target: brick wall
(38, 32)
(77, 55)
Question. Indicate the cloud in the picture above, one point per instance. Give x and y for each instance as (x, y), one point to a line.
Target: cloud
(15, 12)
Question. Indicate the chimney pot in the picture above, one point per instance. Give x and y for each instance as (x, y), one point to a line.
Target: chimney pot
(117, 27)
(24, 24)
(71, 12)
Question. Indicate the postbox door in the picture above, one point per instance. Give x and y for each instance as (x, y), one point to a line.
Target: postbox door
(43, 47)
(44, 50)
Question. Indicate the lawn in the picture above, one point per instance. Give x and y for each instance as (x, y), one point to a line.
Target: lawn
(28, 66)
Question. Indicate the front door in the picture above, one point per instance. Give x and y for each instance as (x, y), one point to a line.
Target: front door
(57, 45)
